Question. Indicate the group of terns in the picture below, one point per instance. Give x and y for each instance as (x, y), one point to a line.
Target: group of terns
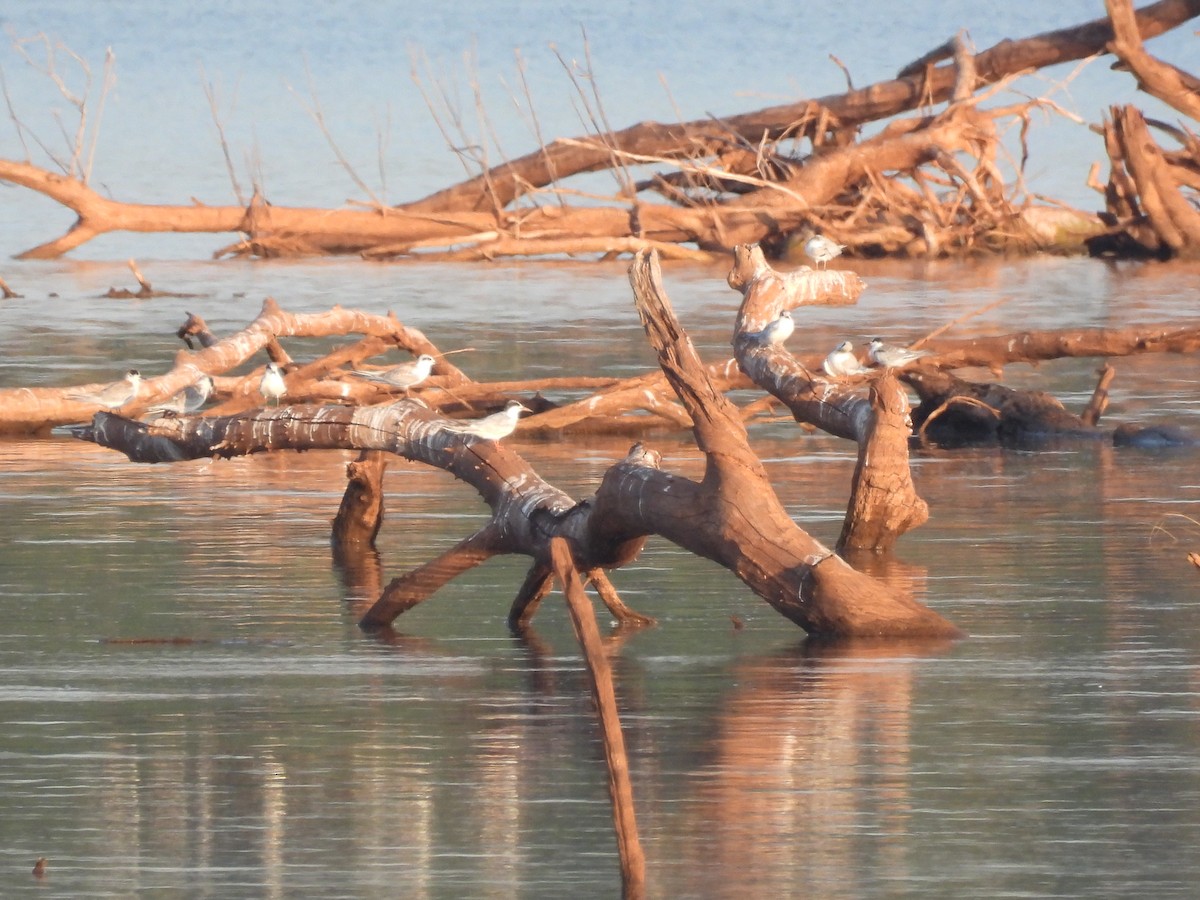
(273, 389)
(841, 362)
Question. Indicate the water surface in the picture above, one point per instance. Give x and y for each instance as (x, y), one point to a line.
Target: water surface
(260, 745)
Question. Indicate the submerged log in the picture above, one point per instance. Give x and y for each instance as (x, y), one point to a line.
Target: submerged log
(883, 501)
(731, 516)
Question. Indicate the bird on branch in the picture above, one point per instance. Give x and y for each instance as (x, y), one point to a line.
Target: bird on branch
(821, 250)
(494, 427)
(777, 331)
(404, 376)
(272, 385)
(841, 362)
(112, 396)
(891, 356)
(191, 399)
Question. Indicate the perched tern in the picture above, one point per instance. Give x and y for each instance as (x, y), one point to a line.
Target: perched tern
(494, 427)
(842, 362)
(112, 396)
(821, 250)
(272, 386)
(777, 331)
(890, 356)
(404, 376)
(191, 399)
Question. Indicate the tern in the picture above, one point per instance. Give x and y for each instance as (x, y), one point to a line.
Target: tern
(821, 250)
(404, 376)
(890, 356)
(191, 399)
(112, 396)
(777, 331)
(494, 427)
(272, 386)
(842, 362)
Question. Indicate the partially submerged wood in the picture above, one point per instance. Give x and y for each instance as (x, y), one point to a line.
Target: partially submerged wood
(606, 407)
(927, 185)
(731, 516)
(600, 679)
(883, 502)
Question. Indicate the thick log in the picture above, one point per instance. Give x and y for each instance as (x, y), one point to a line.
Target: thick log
(360, 515)
(733, 515)
(965, 412)
(883, 501)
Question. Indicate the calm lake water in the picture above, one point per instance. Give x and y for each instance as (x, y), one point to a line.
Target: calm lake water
(279, 752)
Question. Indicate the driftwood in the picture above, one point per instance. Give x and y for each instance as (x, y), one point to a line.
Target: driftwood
(731, 515)
(745, 178)
(742, 525)
(883, 502)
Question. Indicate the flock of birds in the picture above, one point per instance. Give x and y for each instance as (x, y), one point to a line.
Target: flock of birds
(273, 389)
(840, 363)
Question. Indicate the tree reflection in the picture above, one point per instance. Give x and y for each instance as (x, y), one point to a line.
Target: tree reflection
(809, 772)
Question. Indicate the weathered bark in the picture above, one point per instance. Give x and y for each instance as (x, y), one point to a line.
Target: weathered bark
(1147, 189)
(1168, 83)
(750, 533)
(955, 412)
(38, 409)
(360, 515)
(883, 501)
(324, 380)
(916, 87)
(742, 524)
(733, 185)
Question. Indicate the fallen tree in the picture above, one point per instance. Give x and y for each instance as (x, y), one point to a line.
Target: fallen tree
(731, 515)
(742, 524)
(926, 185)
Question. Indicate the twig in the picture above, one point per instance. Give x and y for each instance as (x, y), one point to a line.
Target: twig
(968, 315)
(841, 65)
(315, 112)
(211, 94)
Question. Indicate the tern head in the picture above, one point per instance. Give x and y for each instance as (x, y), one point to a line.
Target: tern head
(845, 347)
(133, 375)
(514, 408)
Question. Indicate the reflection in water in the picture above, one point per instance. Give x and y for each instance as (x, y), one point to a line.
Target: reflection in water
(808, 776)
(278, 751)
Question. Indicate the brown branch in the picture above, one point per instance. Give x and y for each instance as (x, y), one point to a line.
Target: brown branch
(1166, 82)
(755, 538)
(1099, 401)
(884, 503)
(600, 677)
(418, 585)
(360, 515)
(933, 84)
